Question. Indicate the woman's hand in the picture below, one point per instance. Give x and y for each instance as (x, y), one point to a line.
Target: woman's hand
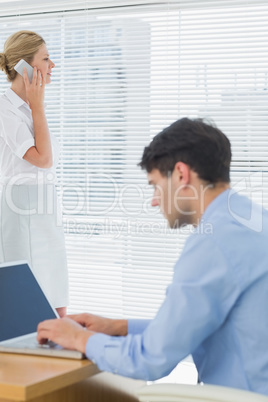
(35, 90)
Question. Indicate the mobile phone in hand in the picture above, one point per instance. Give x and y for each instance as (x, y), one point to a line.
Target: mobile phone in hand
(20, 66)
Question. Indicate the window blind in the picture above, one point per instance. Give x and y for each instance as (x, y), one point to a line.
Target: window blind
(123, 72)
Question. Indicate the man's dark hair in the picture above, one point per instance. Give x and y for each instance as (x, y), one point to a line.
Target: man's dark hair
(203, 147)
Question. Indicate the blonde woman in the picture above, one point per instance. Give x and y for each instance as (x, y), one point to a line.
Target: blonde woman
(30, 219)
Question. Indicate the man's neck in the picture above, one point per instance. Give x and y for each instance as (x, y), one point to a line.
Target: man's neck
(213, 192)
(208, 193)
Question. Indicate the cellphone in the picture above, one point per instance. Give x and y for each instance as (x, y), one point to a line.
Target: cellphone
(20, 66)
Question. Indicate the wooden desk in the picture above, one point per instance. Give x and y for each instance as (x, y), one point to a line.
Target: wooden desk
(42, 379)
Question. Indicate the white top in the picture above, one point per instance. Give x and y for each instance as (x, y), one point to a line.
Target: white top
(16, 137)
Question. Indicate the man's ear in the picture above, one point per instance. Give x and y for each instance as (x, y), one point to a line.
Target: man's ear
(182, 173)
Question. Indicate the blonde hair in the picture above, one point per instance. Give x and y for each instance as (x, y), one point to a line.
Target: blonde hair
(20, 45)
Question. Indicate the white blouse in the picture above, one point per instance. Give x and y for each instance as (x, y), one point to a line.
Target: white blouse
(16, 137)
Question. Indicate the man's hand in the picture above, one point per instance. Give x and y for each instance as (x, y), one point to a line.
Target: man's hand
(104, 325)
(65, 332)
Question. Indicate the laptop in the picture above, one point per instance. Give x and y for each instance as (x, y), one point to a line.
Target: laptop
(23, 305)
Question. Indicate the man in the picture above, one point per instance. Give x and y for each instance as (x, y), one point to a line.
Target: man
(216, 305)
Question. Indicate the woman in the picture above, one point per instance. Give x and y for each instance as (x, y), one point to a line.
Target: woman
(30, 221)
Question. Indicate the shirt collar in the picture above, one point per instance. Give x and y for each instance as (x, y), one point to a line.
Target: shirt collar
(14, 98)
(220, 199)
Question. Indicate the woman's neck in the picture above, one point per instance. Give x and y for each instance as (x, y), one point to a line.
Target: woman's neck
(19, 88)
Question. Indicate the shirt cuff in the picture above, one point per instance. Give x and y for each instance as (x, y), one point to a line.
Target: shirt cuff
(137, 326)
(20, 152)
(95, 346)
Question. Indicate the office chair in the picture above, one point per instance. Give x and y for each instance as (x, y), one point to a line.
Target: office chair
(195, 393)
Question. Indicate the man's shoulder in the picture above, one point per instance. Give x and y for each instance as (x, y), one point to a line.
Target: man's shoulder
(236, 217)
(241, 213)
(235, 207)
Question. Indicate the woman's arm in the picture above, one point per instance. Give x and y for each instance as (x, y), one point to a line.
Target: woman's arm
(41, 154)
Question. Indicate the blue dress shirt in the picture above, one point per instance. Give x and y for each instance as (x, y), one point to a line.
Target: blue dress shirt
(216, 307)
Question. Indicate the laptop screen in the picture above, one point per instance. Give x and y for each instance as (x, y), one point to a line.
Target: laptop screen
(22, 302)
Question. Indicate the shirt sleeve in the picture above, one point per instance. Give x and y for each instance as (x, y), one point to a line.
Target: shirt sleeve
(136, 326)
(16, 133)
(197, 302)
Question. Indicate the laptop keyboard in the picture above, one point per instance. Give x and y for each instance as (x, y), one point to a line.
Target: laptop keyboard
(32, 343)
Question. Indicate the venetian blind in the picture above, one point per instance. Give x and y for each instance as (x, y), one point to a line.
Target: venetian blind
(123, 72)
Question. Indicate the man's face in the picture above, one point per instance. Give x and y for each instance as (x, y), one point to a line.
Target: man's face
(168, 196)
